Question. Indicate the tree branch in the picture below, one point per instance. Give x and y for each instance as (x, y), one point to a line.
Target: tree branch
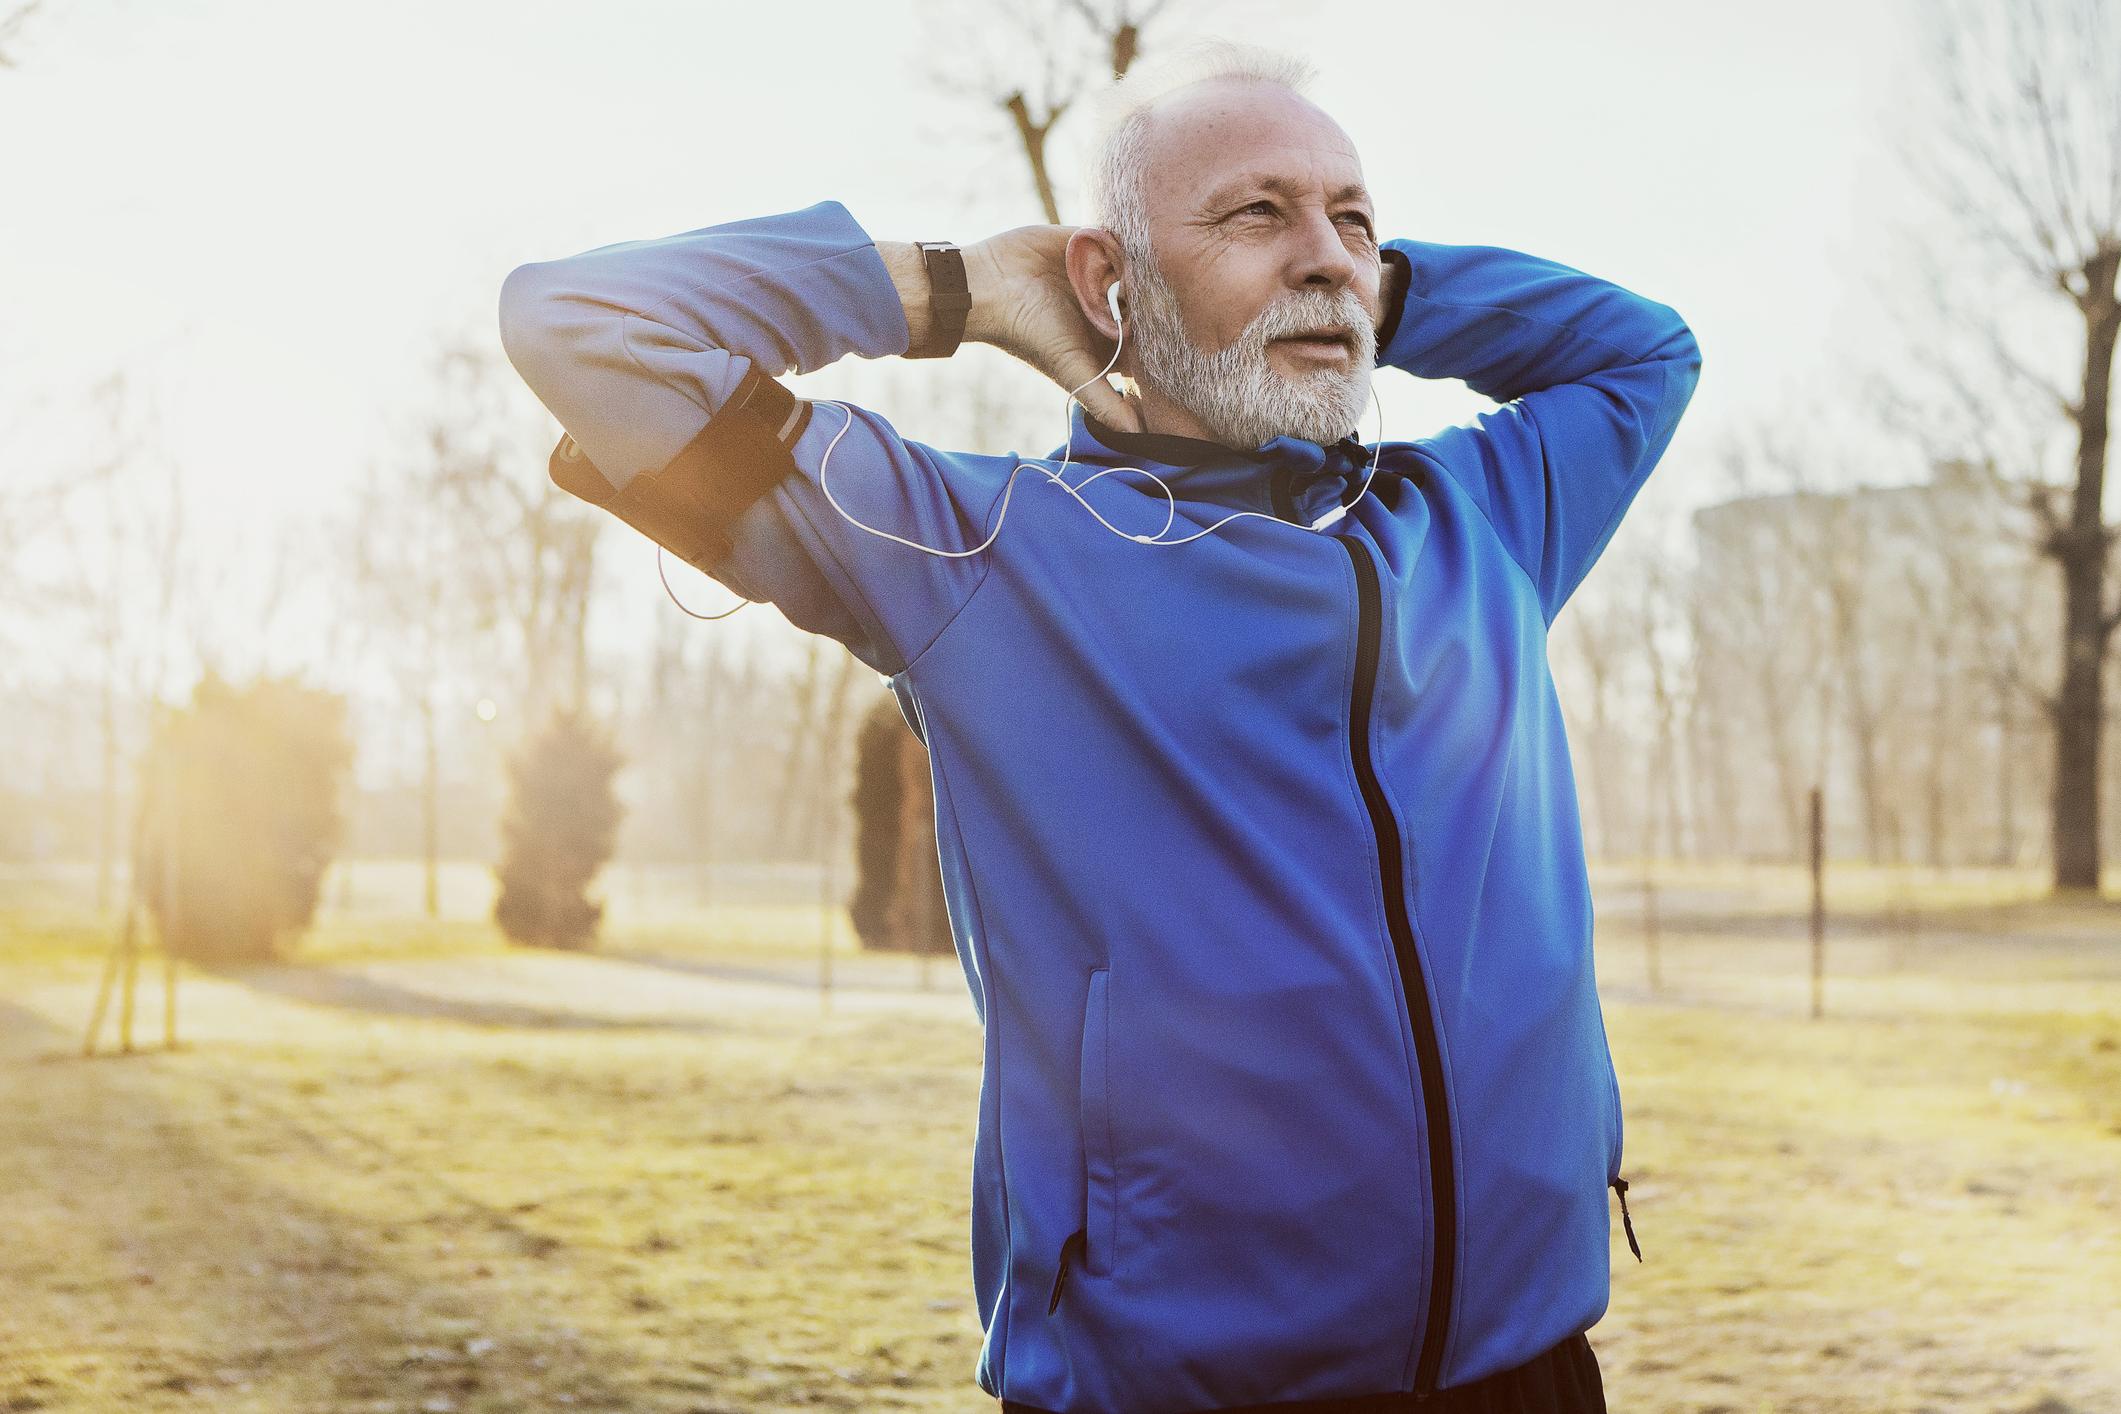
(11, 26)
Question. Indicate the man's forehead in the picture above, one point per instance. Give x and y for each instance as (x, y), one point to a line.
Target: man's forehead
(1221, 140)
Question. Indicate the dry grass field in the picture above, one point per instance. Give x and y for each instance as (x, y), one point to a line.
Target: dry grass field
(415, 1170)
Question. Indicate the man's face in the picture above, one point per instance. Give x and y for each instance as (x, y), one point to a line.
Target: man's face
(1264, 241)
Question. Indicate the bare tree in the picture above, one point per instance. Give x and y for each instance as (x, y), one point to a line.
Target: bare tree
(11, 22)
(124, 539)
(803, 739)
(677, 769)
(820, 733)
(1660, 628)
(525, 554)
(2026, 161)
(1593, 634)
(1981, 429)
(1756, 633)
(1848, 552)
(468, 572)
(402, 546)
(1978, 585)
(835, 747)
(1943, 640)
(1060, 35)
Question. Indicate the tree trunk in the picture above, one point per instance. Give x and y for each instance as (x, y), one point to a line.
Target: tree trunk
(431, 805)
(2006, 783)
(1601, 770)
(787, 804)
(107, 822)
(2081, 550)
(1935, 803)
(1782, 749)
(918, 916)
(831, 799)
(1823, 749)
(703, 794)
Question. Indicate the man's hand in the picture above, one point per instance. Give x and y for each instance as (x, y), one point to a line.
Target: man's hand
(1023, 304)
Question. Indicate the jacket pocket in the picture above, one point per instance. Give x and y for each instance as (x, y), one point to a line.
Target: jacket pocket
(1101, 1181)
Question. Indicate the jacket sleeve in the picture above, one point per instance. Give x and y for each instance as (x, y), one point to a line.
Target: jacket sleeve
(634, 346)
(1592, 378)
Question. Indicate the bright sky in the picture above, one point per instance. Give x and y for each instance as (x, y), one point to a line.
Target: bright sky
(270, 211)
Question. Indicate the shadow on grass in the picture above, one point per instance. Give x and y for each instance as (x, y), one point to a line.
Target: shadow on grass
(895, 972)
(2087, 919)
(352, 991)
(151, 1263)
(2092, 922)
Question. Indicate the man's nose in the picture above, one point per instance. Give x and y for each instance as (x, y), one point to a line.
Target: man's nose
(1322, 259)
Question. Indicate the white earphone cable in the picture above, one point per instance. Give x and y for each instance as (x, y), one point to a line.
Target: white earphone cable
(1056, 477)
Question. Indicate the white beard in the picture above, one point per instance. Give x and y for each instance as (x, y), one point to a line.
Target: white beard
(1236, 394)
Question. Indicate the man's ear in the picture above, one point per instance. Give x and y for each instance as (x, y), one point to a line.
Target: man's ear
(1094, 262)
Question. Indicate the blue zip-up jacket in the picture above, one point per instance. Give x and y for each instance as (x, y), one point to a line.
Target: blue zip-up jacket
(1261, 853)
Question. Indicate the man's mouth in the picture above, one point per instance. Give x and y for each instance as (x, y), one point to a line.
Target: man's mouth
(1322, 343)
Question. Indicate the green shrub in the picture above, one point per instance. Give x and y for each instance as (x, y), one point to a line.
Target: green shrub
(558, 830)
(876, 796)
(240, 816)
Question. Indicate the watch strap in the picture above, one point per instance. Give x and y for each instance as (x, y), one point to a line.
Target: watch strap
(949, 299)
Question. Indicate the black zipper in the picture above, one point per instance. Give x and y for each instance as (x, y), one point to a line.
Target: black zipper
(1442, 1198)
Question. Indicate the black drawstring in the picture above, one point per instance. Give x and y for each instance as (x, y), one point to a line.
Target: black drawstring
(1075, 1241)
(1620, 1186)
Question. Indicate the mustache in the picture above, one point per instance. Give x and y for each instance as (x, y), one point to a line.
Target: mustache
(1301, 313)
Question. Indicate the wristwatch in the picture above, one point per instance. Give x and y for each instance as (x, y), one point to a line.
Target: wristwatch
(949, 299)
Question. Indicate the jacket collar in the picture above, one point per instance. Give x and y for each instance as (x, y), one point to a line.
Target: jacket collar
(1286, 477)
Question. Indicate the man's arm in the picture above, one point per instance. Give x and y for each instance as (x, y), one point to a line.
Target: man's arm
(634, 346)
(1593, 379)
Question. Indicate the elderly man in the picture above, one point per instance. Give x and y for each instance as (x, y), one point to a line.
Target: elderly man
(1256, 818)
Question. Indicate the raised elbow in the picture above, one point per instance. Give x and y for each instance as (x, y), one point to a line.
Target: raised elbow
(1677, 353)
(1688, 347)
(526, 318)
(1686, 351)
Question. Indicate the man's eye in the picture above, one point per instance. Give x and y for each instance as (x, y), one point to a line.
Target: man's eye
(1262, 206)
(1361, 221)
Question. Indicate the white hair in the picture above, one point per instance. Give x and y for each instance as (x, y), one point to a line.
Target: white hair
(1117, 186)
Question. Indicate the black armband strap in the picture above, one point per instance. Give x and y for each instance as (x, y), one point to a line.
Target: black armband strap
(688, 506)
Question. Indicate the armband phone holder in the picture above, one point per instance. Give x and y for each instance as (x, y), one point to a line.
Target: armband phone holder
(688, 506)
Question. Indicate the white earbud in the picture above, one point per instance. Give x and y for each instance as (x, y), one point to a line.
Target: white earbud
(1112, 300)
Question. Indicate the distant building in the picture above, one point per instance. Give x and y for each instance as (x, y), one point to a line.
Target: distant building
(1887, 643)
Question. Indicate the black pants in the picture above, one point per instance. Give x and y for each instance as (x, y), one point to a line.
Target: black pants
(1563, 1379)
